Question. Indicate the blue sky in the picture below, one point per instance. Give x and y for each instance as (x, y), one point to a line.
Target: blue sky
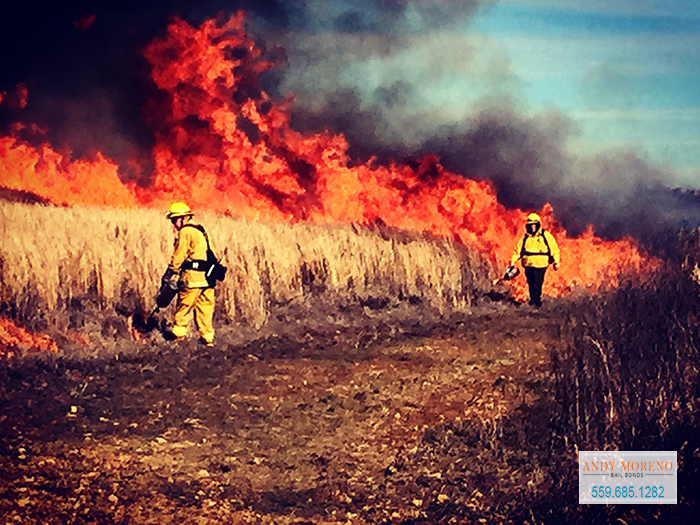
(627, 73)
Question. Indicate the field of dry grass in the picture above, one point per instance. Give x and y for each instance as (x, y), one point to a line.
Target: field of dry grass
(359, 379)
(54, 261)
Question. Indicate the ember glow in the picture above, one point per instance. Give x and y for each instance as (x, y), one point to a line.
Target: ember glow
(14, 338)
(223, 145)
(45, 172)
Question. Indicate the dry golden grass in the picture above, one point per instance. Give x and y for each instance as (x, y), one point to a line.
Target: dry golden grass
(50, 257)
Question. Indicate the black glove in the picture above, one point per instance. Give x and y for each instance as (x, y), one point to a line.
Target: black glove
(169, 279)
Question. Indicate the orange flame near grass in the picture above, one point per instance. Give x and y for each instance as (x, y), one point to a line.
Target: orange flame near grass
(13, 338)
(222, 145)
(47, 173)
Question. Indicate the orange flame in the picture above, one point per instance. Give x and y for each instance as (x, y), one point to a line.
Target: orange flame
(49, 174)
(224, 146)
(13, 337)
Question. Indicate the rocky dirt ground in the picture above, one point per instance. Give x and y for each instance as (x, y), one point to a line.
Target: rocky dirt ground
(371, 423)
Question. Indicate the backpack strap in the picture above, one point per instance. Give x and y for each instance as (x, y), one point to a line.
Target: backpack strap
(546, 243)
(522, 248)
(214, 270)
(201, 229)
(204, 232)
(201, 265)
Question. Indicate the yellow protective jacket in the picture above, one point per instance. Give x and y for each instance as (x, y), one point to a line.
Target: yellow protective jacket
(536, 253)
(190, 245)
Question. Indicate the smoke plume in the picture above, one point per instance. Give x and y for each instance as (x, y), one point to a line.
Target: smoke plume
(379, 71)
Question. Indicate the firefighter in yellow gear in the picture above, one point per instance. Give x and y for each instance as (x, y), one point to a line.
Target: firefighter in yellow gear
(537, 250)
(195, 292)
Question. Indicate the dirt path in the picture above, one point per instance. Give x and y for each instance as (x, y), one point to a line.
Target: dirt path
(334, 430)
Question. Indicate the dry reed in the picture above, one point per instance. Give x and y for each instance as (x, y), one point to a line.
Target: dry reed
(52, 258)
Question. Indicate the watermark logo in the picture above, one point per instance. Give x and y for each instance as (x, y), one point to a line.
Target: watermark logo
(627, 477)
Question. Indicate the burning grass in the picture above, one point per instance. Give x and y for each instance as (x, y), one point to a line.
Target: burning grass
(14, 339)
(222, 144)
(58, 262)
(315, 415)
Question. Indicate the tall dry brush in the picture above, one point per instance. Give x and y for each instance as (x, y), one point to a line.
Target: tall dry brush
(628, 369)
(627, 377)
(54, 259)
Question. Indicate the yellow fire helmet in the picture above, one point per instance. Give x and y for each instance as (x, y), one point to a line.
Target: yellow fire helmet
(178, 209)
(533, 218)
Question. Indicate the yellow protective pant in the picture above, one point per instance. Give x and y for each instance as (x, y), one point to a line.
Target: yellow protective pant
(201, 300)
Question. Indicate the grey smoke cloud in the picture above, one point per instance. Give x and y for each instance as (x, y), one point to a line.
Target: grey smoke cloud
(399, 78)
(409, 90)
(399, 74)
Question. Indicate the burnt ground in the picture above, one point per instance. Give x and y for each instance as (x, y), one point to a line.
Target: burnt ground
(448, 421)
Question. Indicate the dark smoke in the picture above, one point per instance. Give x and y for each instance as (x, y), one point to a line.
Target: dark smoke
(88, 85)
(527, 159)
